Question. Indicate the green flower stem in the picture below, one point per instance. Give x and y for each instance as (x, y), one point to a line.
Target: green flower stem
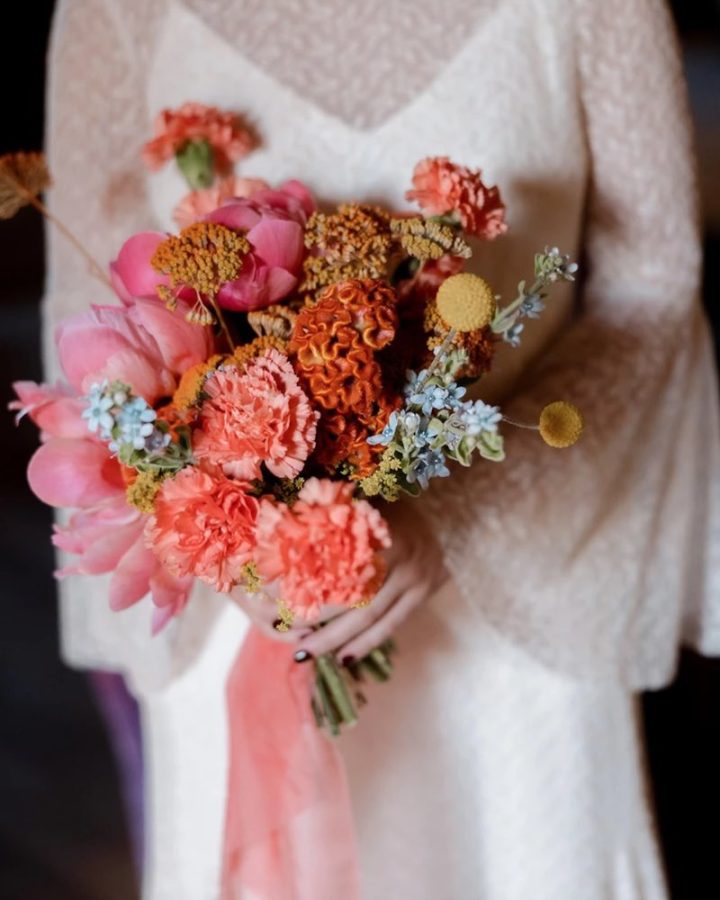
(333, 680)
(504, 316)
(439, 357)
(381, 662)
(324, 709)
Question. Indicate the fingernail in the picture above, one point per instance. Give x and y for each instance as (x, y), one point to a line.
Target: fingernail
(348, 660)
(302, 656)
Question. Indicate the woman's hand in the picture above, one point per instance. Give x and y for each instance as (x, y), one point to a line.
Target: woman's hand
(415, 572)
(262, 611)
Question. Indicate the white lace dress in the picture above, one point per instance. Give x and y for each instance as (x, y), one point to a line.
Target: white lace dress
(503, 761)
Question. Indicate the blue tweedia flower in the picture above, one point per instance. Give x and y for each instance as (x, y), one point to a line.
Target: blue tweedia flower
(479, 416)
(532, 306)
(428, 464)
(136, 423)
(98, 412)
(414, 382)
(437, 396)
(387, 435)
(512, 335)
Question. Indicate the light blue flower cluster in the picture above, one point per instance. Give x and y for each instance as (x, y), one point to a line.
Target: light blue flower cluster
(437, 425)
(127, 422)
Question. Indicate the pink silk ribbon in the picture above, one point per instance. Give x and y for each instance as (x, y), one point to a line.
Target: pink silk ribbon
(288, 823)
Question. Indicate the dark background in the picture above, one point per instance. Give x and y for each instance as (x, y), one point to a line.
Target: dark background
(61, 825)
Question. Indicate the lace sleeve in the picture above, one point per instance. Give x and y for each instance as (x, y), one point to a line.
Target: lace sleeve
(97, 122)
(597, 559)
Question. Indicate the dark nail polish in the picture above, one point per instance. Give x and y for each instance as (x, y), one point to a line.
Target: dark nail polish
(348, 660)
(302, 656)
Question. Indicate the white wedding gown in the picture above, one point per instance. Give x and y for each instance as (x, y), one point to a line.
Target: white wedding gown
(503, 761)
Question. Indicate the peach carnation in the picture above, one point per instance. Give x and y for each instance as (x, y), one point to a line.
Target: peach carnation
(204, 525)
(198, 204)
(324, 550)
(254, 416)
(441, 187)
(229, 138)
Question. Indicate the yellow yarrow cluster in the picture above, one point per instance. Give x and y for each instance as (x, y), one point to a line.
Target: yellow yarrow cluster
(353, 242)
(426, 239)
(561, 424)
(142, 492)
(466, 302)
(251, 581)
(203, 257)
(285, 617)
(192, 381)
(383, 481)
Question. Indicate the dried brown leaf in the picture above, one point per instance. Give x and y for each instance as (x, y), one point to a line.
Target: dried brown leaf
(22, 177)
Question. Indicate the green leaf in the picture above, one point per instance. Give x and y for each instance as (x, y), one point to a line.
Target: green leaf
(491, 446)
(196, 161)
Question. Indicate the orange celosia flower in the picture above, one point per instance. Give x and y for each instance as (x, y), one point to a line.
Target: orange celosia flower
(335, 344)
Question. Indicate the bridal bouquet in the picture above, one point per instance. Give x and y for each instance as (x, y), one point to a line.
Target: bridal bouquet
(271, 375)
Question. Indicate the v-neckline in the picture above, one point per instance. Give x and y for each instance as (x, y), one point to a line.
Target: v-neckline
(291, 92)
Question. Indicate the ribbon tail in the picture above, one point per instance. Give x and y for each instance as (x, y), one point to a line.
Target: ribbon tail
(288, 825)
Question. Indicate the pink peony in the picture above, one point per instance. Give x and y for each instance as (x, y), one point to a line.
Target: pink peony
(147, 347)
(141, 344)
(324, 550)
(273, 222)
(204, 526)
(259, 415)
(198, 204)
(225, 132)
(441, 188)
(73, 469)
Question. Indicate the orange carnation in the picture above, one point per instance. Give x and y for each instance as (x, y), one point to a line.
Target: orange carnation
(256, 416)
(441, 188)
(228, 136)
(204, 525)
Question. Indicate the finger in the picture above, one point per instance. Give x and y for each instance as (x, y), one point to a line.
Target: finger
(264, 615)
(382, 629)
(347, 625)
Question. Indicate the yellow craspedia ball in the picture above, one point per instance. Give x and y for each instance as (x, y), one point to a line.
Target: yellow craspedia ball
(561, 424)
(466, 302)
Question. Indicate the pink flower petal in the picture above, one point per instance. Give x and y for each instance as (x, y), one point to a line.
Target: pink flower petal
(65, 472)
(161, 616)
(240, 216)
(278, 242)
(300, 192)
(131, 272)
(99, 551)
(180, 344)
(131, 580)
(54, 409)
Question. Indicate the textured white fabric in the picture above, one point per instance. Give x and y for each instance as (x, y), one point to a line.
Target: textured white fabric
(479, 772)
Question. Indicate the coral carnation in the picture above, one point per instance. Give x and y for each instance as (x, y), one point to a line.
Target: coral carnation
(441, 188)
(204, 526)
(259, 415)
(229, 138)
(324, 550)
(197, 204)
